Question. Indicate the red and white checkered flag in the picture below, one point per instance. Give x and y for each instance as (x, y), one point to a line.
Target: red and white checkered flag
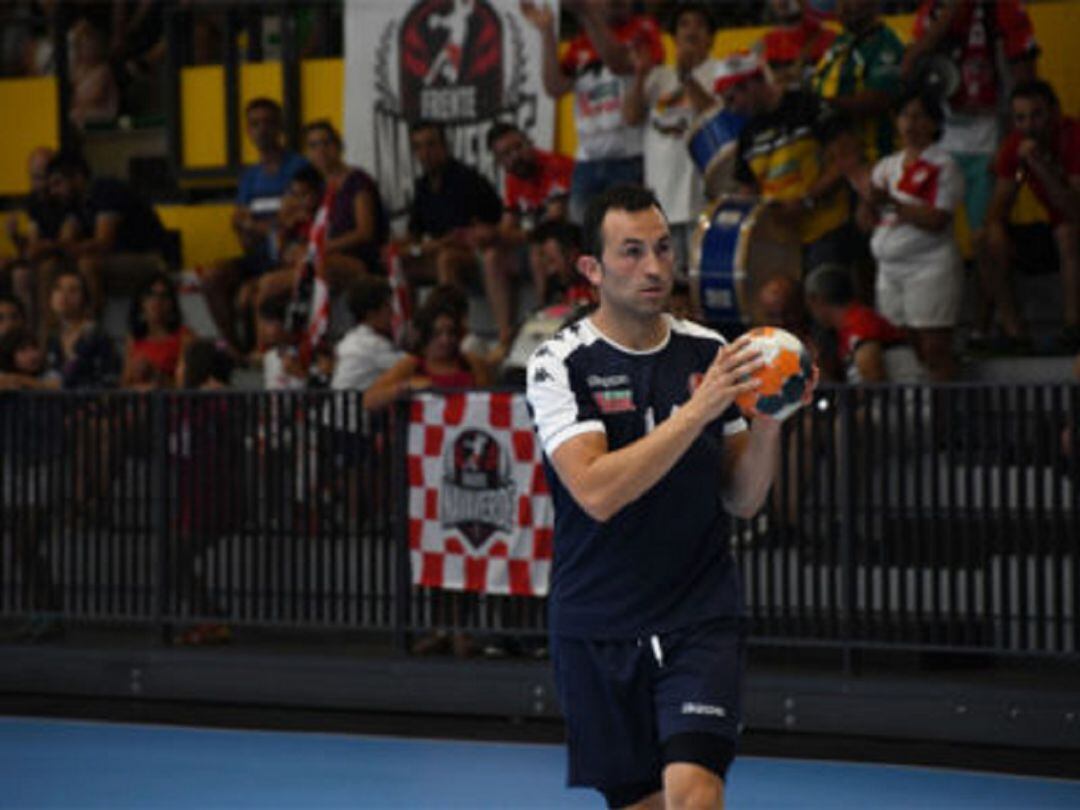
(480, 514)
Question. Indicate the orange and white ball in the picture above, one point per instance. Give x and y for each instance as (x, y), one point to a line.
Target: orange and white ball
(787, 371)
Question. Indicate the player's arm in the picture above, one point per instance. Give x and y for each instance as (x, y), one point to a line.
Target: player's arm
(603, 481)
(751, 459)
(612, 53)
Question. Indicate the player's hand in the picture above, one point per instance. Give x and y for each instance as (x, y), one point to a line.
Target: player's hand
(541, 16)
(726, 378)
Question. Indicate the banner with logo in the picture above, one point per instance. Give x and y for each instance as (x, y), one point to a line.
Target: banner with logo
(464, 63)
(480, 514)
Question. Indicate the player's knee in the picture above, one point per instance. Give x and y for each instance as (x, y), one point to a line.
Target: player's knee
(690, 787)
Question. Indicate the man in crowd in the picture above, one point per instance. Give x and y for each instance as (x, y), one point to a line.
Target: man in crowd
(794, 47)
(597, 67)
(536, 190)
(44, 214)
(229, 284)
(668, 99)
(1043, 154)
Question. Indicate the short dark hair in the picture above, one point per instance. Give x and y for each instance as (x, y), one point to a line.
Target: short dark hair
(368, 294)
(68, 269)
(325, 125)
(309, 176)
(427, 123)
(204, 361)
(498, 130)
(931, 106)
(136, 321)
(1036, 88)
(8, 298)
(691, 7)
(831, 283)
(567, 234)
(68, 163)
(275, 307)
(444, 299)
(10, 345)
(262, 102)
(618, 198)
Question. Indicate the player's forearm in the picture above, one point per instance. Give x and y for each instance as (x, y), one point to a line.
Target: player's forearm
(633, 108)
(752, 473)
(556, 83)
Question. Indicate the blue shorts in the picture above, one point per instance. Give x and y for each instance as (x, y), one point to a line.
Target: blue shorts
(634, 706)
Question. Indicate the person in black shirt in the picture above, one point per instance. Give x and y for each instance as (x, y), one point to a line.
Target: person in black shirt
(455, 212)
(647, 459)
(115, 235)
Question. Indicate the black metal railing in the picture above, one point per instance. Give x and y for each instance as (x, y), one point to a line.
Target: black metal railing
(903, 517)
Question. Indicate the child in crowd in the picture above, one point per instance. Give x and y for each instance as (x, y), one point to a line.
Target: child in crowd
(282, 370)
(365, 352)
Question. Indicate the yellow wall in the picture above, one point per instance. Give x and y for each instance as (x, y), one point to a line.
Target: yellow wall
(29, 107)
(205, 232)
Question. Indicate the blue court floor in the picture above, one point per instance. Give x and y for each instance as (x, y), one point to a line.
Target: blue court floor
(65, 764)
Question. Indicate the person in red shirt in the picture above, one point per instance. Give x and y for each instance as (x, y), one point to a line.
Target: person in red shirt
(1042, 153)
(537, 186)
(797, 44)
(156, 337)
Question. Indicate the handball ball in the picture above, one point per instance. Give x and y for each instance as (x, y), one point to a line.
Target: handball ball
(784, 377)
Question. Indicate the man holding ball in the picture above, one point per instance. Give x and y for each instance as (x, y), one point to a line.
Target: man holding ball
(647, 459)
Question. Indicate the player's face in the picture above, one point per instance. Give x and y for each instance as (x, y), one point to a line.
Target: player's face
(1032, 117)
(636, 272)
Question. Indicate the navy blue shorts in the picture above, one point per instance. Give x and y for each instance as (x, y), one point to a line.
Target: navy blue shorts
(634, 706)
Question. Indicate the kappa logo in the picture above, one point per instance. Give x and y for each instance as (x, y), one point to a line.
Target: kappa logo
(703, 709)
(478, 492)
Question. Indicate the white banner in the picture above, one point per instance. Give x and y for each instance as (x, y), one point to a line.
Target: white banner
(464, 63)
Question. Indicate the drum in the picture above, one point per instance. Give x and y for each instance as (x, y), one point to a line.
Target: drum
(712, 141)
(739, 244)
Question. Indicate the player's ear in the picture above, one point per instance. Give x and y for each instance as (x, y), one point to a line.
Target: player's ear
(589, 267)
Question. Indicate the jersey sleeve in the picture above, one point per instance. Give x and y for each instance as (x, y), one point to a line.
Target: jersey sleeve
(558, 411)
(879, 176)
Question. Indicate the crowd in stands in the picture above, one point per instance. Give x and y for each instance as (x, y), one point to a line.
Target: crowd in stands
(861, 150)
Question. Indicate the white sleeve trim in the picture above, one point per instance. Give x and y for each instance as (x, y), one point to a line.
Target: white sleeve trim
(735, 426)
(570, 431)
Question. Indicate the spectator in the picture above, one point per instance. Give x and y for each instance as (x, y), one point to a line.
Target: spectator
(229, 284)
(914, 193)
(156, 336)
(439, 361)
(454, 213)
(282, 369)
(968, 34)
(299, 206)
(115, 235)
(365, 352)
(95, 96)
(357, 224)
(794, 47)
(12, 314)
(45, 214)
(597, 66)
(860, 74)
(537, 185)
(77, 348)
(869, 348)
(780, 158)
(667, 99)
(1042, 153)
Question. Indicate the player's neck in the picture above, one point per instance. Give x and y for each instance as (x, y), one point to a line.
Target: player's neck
(636, 334)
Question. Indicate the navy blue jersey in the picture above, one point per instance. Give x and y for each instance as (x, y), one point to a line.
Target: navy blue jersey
(662, 562)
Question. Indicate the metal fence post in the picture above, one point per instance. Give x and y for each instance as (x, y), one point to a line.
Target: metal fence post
(159, 517)
(399, 529)
(847, 483)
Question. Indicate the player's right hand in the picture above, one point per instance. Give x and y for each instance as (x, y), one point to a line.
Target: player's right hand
(727, 376)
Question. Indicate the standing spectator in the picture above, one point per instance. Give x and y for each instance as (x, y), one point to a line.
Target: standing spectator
(860, 74)
(914, 193)
(77, 348)
(254, 220)
(365, 352)
(667, 99)
(780, 158)
(156, 336)
(454, 213)
(537, 186)
(969, 34)
(598, 67)
(95, 96)
(1043, 153)
(794, 47)
(115, 235)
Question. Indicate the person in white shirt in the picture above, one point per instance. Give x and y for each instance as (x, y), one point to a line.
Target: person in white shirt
(668, 99)
(913, 195)
(366, 350)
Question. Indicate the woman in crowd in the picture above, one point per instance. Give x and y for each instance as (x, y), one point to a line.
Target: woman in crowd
(156, 336)
(77, 348)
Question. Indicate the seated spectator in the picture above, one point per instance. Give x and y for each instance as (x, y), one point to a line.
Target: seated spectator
(45, 215)
(794, 47)
(95, 96)
(536, 187)
(668, 99)
(366, 352)
(357, 224)
(869, 348)
(781, 301)
(914, 193)
(115, 235)
(229, 284)
(22, 363)
(299, 205)
(282, 369)
(76, 347)
(438, 361)
(156, 336)
(1043, 154)
(12, 314)
(454, 212)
